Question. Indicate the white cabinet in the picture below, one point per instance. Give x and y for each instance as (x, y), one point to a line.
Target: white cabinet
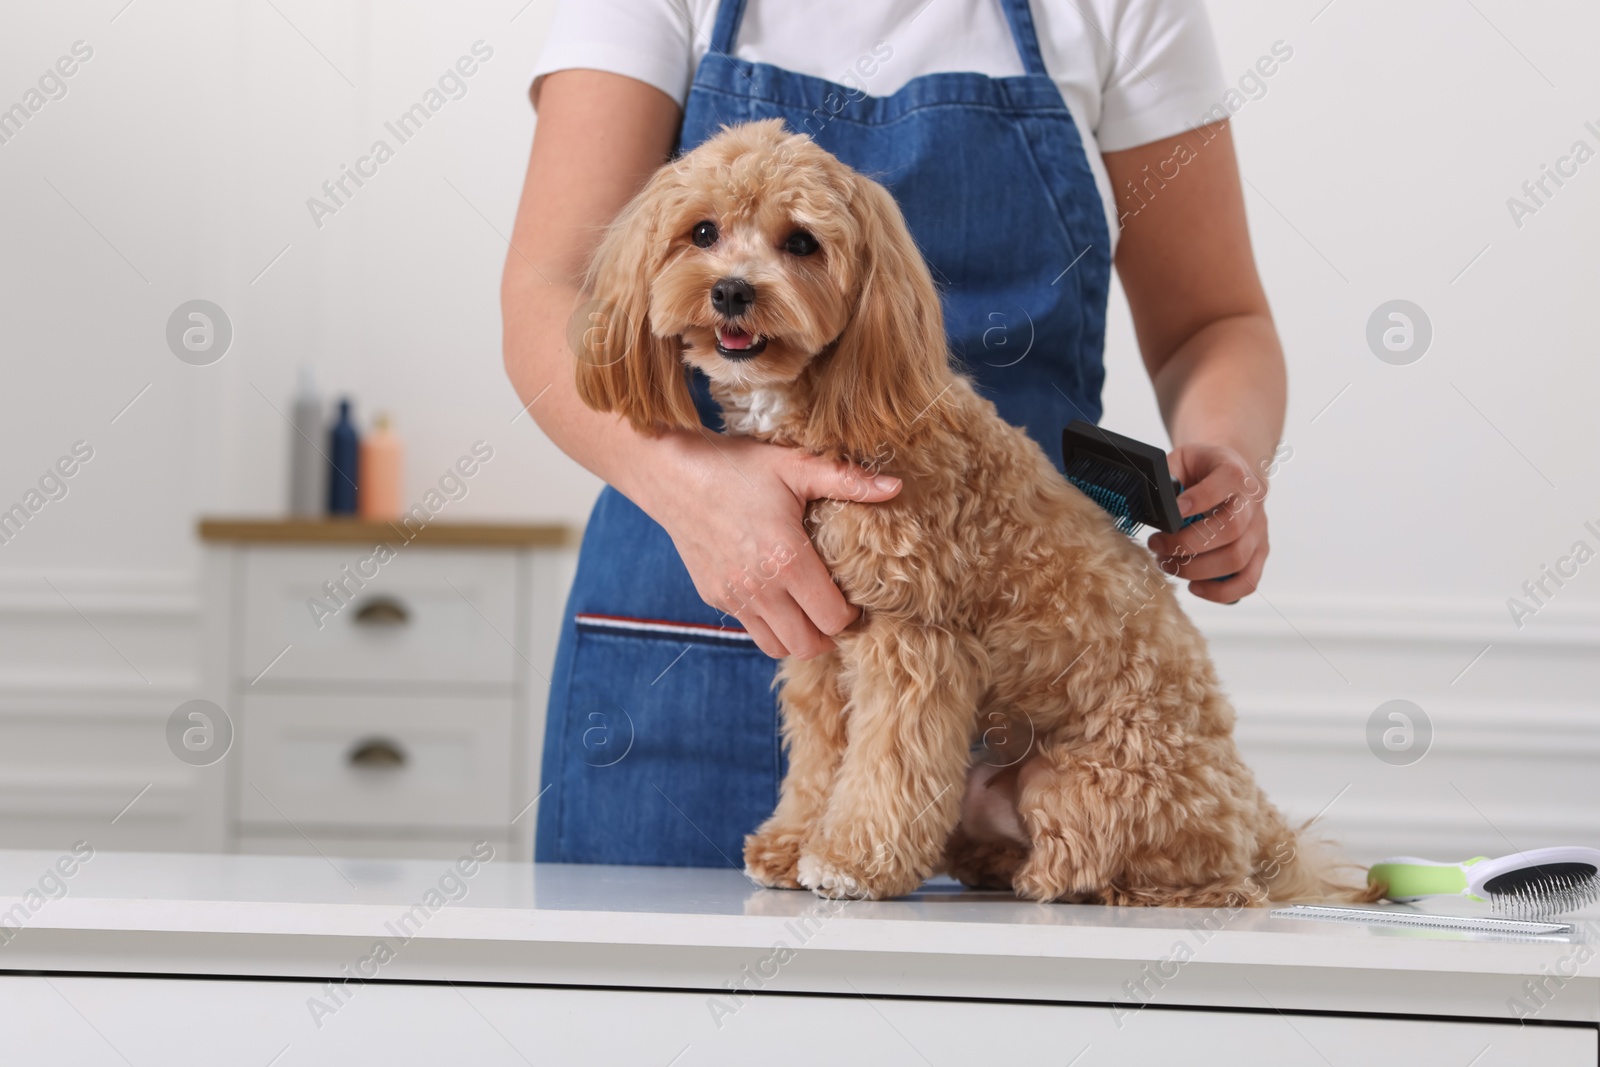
(386, 694)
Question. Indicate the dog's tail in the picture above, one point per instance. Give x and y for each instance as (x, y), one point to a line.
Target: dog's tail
(1296, 866)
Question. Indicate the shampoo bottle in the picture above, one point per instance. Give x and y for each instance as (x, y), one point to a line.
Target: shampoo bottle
(344, 449)
(382, 472)
(308, 471)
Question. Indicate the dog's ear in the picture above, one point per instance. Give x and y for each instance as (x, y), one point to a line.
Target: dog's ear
(622, 365)
(892, 360)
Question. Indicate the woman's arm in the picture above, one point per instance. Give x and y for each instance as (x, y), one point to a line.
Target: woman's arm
(1209, 344)
(599, 137)
(728, 503)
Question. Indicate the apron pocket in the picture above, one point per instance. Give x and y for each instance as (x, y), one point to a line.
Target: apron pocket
(670, 747)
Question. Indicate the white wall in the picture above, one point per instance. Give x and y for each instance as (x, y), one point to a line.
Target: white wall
(1380, 159)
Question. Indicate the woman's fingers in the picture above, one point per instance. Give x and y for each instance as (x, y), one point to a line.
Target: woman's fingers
(814, 590)
(1223, 554)
(1213, 490)
(792, 596)
(1222, 527)
(812, 478)
(761, 634)
(794, 628)
(1218, 497)
(820, 608)
(789, 604)
(738, 520)
(1232, 590)
(1220, 562)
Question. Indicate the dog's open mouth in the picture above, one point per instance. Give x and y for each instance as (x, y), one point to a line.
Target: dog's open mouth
(736, 344)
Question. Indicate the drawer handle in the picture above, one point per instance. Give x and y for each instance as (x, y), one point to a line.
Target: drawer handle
(383, 611)
(377, 752)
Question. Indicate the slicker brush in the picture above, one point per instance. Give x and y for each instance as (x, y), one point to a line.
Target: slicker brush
(1528, 885)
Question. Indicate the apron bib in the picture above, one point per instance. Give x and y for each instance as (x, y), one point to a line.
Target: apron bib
(661, 740)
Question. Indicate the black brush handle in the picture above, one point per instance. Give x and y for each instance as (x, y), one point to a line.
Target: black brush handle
(1158, 506)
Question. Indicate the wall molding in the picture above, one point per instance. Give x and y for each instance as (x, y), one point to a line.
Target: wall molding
(83, 728)
(163, 594)
(1475, 728)
(1527, 712)
(57, 795)
(169, 592)
(1414, 619)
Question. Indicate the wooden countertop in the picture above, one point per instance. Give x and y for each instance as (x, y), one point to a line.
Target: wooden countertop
(361, 531)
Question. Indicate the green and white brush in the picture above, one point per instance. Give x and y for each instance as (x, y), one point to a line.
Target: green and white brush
(1527, 885)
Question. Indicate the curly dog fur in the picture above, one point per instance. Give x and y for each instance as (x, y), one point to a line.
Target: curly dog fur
(994, 594)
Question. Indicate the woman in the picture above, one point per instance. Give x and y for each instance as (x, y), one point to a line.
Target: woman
(1003, 129)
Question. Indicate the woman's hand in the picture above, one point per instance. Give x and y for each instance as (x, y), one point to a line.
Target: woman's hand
(735, 509)
(1231, 541)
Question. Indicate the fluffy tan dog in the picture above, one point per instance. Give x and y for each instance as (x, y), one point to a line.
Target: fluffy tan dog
(994, 595)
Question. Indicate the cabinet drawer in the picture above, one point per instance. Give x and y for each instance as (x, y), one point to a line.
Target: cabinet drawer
(340, 614)
(380, 762)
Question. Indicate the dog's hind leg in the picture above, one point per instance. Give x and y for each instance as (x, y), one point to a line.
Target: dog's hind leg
(812, 706)
(1075, 839)
(898, 792)
(1230, 893)
(982, 864)
(1138, 816)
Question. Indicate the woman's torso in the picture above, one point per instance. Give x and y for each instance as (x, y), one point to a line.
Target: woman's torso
(995, 182)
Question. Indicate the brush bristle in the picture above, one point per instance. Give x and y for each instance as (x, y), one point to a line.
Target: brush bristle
(1541, 892)
(1117, 490)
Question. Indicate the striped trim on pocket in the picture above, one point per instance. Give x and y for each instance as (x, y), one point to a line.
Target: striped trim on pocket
(682, 631)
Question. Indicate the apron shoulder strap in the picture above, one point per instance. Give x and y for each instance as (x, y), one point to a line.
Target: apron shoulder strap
(1023, 32)
(1019, 16)
(726, 29)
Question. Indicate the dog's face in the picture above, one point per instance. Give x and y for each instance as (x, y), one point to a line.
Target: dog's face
(762, 261)
(760, 245)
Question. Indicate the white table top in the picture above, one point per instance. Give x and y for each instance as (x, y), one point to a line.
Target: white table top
(183, 913)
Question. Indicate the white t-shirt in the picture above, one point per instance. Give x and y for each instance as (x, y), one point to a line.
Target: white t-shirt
(1130, 71)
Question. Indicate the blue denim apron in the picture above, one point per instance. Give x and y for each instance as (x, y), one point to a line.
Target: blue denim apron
(661, 742)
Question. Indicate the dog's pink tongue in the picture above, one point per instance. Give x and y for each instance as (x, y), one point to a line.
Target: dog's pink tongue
(734, 340)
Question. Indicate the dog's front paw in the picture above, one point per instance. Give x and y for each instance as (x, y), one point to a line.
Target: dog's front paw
(771, 858)
(830, 874)
(826, 880)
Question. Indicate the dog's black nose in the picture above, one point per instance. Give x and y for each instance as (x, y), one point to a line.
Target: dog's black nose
(732, 297)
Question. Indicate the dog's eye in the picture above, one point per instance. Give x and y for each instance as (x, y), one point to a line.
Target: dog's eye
(800, 243)
(704, 234)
